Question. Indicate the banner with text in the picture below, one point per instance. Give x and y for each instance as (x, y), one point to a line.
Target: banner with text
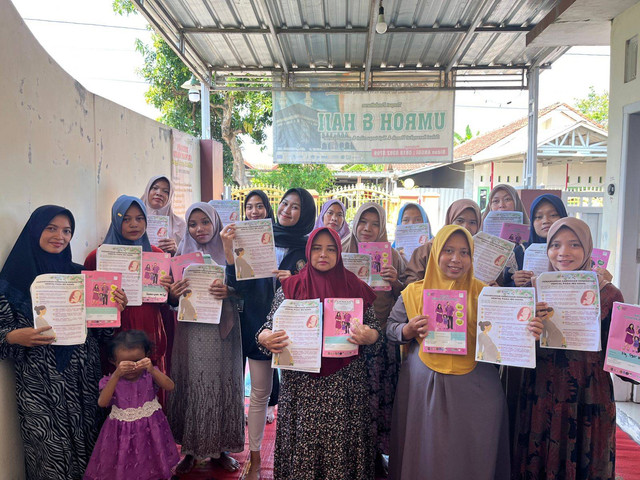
(363, 127)
(185, 170)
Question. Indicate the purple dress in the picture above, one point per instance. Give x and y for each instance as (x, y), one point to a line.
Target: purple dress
(135, 441)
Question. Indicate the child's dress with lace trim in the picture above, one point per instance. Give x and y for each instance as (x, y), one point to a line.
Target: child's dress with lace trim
(135, 441)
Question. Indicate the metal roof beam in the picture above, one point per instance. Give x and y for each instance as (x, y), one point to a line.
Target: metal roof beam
(371, 37)
(468, 37)
(341, 30)
(262, 4)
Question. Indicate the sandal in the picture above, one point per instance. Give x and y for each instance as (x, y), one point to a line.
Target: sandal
(226, 462)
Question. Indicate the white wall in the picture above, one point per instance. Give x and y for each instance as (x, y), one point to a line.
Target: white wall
(61, 144)
(620, 230)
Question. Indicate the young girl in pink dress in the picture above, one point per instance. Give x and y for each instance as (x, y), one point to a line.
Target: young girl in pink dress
(135, 440)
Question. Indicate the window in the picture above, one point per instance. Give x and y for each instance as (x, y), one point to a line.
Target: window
(630, 59)
(600, 181)
(508, 178)
(589, 179)
(517, 178)
(482, 178)
(578, 179)
(499, 178)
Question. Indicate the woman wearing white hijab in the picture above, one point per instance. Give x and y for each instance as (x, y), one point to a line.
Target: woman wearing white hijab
(158, 198)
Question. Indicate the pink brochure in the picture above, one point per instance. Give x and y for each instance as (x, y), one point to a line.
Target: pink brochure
(101, 308)
(600, 258)
(515, 232)
(623, 346)
(380, 256)
(179, 263)
(447, 310)
(340, 314)
(155, 265)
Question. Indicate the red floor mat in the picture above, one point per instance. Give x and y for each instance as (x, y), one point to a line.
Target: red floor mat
(627, 457)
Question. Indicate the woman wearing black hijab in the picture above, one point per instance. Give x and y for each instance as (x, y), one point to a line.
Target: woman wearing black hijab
(297, 210)
(295, 219)
(56, 386)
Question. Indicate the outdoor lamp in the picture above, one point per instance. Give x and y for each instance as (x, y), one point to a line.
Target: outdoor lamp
(381, 26)
(194, 89)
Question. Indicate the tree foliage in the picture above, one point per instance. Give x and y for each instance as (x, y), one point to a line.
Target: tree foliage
(364, 167)
(595, 106)
(232, 113)
(316, 177)
(459, 139)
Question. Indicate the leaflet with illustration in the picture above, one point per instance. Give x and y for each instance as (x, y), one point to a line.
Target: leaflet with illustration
(101, 307)
(157, 228)
(229, 210)
(600, 258)
(58, 302)
(502, 336)
(493, 222)
(623, 345)
(535, 259)
(380, 253)
(127, 260)
(254, 250)
(573, 319)
(360, 264)
(515, 232)
(410, 237)
(302, 322)
(340, 314)
(180, 262)
(155, 265)
(490, 255)
(197, 304)
(447, 311)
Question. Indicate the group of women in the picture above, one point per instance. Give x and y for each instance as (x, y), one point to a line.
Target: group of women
(434, 415)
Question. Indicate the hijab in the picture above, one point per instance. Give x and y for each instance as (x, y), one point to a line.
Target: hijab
(418, 262)
(425, 218)
(350, 242)
(294, 237)
(335, 283)
(386, 299)
(27, 260)
(556, 202)
(435, 278)
(176, 223)
(580, 230)
(265, 201)
(114, 234)
(519, 206)
(344, 229)
(213, 247)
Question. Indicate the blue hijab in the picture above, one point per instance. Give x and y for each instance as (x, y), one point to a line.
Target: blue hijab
(425, 218)
(114, 235)
(557, 204)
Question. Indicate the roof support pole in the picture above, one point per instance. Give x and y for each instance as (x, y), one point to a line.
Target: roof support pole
(371, 37)
(205, 111)
(531, 163)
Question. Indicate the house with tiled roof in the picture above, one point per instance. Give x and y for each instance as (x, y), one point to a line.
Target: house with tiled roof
(572, 153)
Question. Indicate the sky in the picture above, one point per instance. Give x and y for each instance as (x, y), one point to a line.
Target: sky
(97, 47)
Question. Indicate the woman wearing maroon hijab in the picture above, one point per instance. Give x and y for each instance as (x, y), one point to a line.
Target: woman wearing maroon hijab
(324, 419)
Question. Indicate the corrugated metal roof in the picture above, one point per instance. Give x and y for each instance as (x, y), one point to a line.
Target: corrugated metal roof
(337, 39)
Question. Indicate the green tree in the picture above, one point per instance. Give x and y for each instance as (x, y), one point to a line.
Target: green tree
(316, 177)
(232, 113)
(595, 106)
(468, 135)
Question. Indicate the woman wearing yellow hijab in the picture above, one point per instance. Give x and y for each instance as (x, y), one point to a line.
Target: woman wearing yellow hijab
(450, 415)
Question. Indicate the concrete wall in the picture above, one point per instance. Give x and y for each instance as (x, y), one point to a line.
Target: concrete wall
(61, 144)
(620, 230)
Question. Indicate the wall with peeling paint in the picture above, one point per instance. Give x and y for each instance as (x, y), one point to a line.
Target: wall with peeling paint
(64, 145)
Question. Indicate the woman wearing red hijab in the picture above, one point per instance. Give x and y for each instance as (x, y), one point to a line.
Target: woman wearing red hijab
(324, 419)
